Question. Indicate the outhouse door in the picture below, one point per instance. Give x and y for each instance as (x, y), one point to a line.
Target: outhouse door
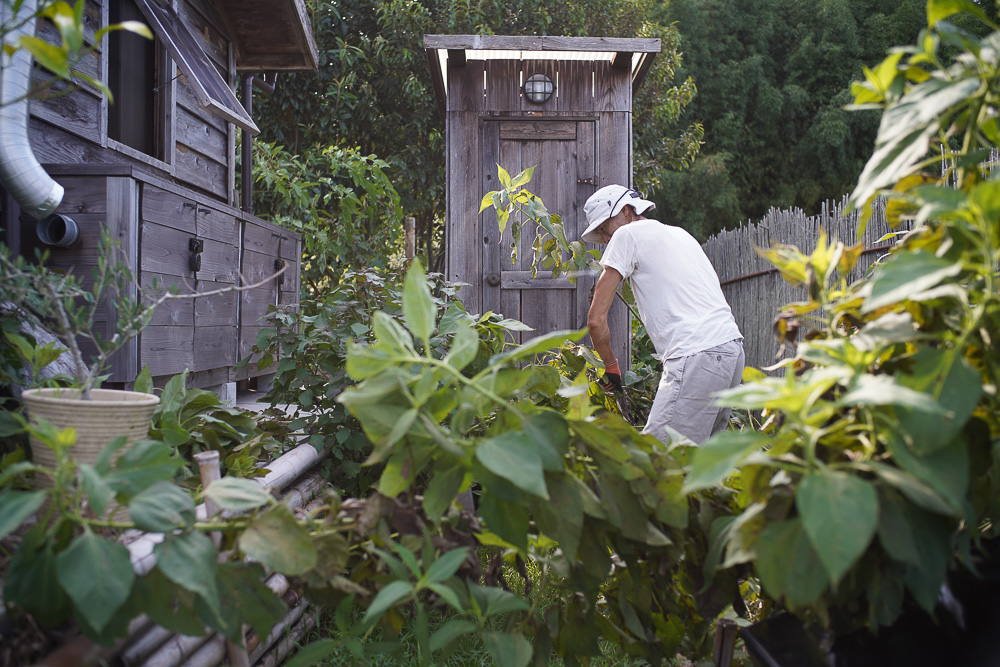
(562, 152)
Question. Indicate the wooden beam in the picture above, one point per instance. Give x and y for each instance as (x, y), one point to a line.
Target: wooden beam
(641, 70)
(622, 60)
(528, 43)
(456, 57)
(437, 78)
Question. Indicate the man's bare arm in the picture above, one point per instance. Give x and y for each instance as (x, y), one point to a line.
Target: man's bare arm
(597, 317)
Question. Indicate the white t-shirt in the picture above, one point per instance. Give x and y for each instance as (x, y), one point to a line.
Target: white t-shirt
(676, 288)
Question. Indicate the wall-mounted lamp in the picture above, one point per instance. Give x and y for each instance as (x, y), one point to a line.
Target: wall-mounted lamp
(538, 88)
(57, 230)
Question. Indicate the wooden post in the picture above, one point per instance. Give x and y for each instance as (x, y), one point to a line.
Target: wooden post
(725, 642)
(410, 225)
(208, 466)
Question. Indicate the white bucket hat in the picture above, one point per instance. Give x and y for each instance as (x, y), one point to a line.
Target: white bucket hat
(606, 203)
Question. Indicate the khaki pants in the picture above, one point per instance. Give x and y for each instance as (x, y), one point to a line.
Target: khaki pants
(685, 398)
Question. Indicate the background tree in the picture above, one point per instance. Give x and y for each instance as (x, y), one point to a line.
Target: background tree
(773, 77)
(372, 93)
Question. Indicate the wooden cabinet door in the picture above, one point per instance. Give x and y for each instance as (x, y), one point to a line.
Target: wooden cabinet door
(563, 154)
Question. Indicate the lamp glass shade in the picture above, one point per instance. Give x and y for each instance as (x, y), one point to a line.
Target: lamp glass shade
(538, 88)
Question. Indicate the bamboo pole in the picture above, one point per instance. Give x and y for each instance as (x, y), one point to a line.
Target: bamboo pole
(284, 648)
(294, 614)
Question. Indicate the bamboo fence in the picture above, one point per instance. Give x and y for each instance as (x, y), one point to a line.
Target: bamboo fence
(752, 285)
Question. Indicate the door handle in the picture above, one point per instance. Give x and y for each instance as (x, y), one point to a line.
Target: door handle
(493, 279)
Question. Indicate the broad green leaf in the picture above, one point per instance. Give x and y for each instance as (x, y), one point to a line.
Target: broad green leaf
(364, 362)
(840, 515)
(538, 345)
(399, 473)
(276, 540)
(522, 178)
(394, 338)
(504, 177)
(932, 534)
(32, 581)
(173, 394)
(51, 57)
(247, 600)
(448, 595)
(446, 565)
(561, 517)
(464, 347)
(907, 274)
(507, 520)
(486, 202)
(953, 384)
(915, 490)
(548, 431)
(418, 306)
(144, 381)
(144, 464)
(97, 575)
(449, 632)
(166, 604)
(938, 10)
(508, 649)
(16, 506)
(138, 27)
(442, 490)
(188, 560)
(511, 456)
(787, 564)
(894, 532)
(313, 653)
(237, 495)
(495, 601)
(718, 458)
(885, 390)
(161, 508)
(388, 596)
(945, 470)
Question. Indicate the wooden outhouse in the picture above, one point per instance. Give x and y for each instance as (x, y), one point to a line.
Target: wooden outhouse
(158, 167)
(561, 104)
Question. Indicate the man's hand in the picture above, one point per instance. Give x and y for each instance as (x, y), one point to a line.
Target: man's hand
(612, 380)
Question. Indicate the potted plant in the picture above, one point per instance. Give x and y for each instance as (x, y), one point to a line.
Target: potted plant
(58, 303)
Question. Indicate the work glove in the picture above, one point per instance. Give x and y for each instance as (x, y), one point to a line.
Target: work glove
(612, 380)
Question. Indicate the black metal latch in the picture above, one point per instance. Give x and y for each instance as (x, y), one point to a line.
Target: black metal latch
(279, 264)
(196, 247)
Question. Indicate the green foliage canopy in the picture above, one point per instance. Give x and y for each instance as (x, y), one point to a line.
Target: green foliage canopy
(773, 79)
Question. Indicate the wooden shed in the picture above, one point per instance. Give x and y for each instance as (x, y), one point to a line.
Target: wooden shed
(579, 138)
(158, 167)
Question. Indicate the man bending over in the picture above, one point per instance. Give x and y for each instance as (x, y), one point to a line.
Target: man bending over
(681, 305)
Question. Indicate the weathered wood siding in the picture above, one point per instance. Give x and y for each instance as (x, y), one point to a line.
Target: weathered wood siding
(155, 222)
(579, 140)
(199, 147)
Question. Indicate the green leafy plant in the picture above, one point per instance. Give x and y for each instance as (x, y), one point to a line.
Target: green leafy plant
(878, 469)
(310, 345)
(67, 566)
(564, 488)
(192, 420)
(341, 202)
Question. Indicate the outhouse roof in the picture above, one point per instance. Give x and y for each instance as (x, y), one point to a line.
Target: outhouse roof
(636, 54)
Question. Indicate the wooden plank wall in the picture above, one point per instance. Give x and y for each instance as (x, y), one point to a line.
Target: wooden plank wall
(482, 91)
(200, 150)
